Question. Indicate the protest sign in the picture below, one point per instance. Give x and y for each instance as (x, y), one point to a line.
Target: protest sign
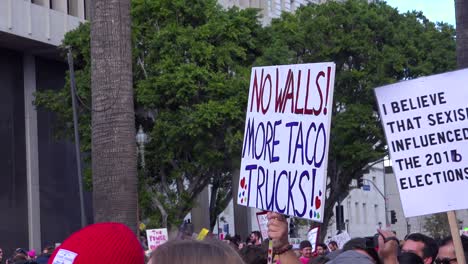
(285, 149)
(312, 236)
(426, 125)
(262, 221)
(156, 237)
(340, 239)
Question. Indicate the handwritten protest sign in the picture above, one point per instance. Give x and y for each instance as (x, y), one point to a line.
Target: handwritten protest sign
(285, 149)
(156, 237)
(312, 236)
(426, 125)
(340, 239)
(262, 221)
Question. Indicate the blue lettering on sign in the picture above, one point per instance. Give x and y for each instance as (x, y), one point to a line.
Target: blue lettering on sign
(260, 141)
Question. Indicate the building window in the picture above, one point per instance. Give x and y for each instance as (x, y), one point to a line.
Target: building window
(357, 213)
(376, 212)
(364, 213)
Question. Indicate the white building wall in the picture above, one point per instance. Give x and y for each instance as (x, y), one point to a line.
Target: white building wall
(37, 21)
(364, 211)
(272, 8)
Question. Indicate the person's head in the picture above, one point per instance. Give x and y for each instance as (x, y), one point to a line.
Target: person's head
(20, 254)
(318, 260)
(256, 237)
(49, 249)
(32, 254)
(446, 254)
(332, 245)
(101, 243)
(306, 249)
(254, 255)
(359, 245)
(321, 249)
(423, 246)
(409, 258)
(208, 251)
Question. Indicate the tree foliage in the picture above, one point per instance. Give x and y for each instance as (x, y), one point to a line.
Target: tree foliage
(372, 45)
(437, 225)
(191, 65)
(192, 60)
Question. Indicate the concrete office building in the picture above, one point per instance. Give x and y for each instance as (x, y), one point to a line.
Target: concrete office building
(272, 8)
(364, 208)
(39, 199)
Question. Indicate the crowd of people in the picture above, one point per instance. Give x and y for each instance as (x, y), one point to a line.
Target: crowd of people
(115, 243)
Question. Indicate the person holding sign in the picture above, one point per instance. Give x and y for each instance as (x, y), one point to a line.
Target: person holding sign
(278, 232)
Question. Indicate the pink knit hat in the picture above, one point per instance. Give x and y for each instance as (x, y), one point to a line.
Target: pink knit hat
(32, 253)
(100, 244)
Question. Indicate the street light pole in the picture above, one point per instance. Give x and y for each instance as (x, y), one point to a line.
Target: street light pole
(77, 136)
(141, 139)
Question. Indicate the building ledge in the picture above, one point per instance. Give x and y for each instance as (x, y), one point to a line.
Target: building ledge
(34, 22)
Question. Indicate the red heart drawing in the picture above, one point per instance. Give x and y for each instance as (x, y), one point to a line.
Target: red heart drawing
(318, 203)
(242, 183)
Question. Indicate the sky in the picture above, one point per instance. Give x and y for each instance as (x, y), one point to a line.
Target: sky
(435, 10)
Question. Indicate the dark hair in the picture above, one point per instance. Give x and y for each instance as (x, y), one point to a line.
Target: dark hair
(208, 251)
(318, 260)
(322, 245)
(409, 258)
(304, 244)
(254, 254)
(430, 246)
(258, 234)
(464, 240)
(360, 243)
(333, 243)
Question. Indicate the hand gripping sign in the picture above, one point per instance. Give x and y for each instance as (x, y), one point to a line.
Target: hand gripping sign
(426, 125)
(285, 149)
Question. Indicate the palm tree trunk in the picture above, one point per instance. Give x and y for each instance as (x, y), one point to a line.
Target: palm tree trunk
(114, 160)
(461, 11)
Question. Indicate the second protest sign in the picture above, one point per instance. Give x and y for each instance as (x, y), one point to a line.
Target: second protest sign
(426, 125)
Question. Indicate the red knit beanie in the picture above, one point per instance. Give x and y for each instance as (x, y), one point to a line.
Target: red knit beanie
(100, 244)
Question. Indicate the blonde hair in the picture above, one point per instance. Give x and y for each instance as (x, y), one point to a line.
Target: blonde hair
(209, 251)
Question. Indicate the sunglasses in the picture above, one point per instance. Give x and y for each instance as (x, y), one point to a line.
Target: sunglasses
(444, 260)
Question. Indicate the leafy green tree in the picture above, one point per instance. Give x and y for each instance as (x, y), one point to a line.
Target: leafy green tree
(196, 67)
(461, 13)
(437, 225)
(372, 45)
(191, 69)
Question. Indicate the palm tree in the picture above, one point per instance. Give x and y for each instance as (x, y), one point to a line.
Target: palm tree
(114, 161)
(461, 10)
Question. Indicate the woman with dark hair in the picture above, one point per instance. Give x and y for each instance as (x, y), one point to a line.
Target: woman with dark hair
(208, 251)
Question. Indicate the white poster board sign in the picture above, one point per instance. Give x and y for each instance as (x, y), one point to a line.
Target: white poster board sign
(340, 239)
(312, 236)
(262, 221)
(156, 237)
(285, 149)
(426, 125)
